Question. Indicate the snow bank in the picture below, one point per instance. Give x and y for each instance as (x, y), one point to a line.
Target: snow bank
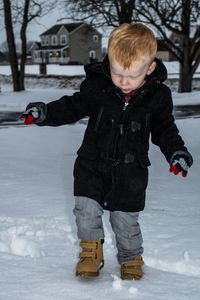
(38, 239)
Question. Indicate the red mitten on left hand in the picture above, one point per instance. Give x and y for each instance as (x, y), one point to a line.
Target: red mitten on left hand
(180, 164)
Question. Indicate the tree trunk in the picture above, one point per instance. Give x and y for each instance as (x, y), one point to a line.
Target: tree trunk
(24, 43)
(186, 74)
(22, 62)
(125, 12)
(43, 69)
(185, 79)
(11, 45)
(179, 19)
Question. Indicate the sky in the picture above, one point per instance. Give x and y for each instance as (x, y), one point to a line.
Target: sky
(36, 28)
(42, 24)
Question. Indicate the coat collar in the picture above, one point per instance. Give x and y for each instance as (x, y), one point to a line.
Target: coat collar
(159, 74)
(153, 80)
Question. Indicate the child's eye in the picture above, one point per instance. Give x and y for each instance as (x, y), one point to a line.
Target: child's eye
(133, 77)
(117, 75)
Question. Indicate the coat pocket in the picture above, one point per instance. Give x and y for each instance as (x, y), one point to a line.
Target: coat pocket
(87, 152)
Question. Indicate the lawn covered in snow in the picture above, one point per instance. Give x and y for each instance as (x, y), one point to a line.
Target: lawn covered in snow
(53, 69)
(38, 244)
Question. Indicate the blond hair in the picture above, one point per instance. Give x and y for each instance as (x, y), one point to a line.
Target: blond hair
(130, 42)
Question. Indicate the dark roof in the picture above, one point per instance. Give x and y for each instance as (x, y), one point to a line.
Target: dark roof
(34, 46)
(69, 26)
(37, 44)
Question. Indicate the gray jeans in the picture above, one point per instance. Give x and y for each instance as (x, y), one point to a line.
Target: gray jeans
(125, 226)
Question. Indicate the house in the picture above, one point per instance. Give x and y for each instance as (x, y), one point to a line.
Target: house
(163, 52)
(176, 39)
(2, 57)
(68, 43)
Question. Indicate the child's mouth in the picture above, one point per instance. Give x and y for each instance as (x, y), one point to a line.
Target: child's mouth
(125, 91)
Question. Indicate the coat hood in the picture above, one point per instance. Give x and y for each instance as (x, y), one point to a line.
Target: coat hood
(159, 75)
(160, 72)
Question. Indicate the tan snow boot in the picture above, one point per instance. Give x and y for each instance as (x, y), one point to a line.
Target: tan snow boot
(132, 269)
(91, 258)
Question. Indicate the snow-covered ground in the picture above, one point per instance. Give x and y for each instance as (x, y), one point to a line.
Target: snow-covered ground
(16, 101)
(52, 69)
(38, 244)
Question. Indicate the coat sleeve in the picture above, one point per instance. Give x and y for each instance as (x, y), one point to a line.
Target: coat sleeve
(68, 109)
(164, 132)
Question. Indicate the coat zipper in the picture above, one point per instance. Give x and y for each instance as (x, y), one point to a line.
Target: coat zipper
(125, 106)
(116, 164)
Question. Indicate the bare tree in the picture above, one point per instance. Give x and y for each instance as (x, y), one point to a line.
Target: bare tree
(181, 18)
(4, 46)
(177, 17)
(21, 12)
(11, 45)
(101, 12)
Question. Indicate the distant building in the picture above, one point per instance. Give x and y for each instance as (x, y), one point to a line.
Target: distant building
(68, 43)
(163, 52)
(2, 57)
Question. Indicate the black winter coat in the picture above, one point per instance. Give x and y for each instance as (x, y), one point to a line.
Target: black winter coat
(112, 163)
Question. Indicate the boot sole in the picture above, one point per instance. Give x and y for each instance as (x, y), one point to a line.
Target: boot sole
(131, 277)
(90, 274)
(87, 274)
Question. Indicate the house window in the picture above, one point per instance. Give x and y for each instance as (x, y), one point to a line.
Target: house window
(36, 54)
(95, 38)
(46, 40)
(43, 40)
(54, 40)
(177, 42)
(63, 39)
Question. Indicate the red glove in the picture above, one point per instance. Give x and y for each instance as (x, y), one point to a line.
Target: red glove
(35, 113)
(28, 119)
(180, 164)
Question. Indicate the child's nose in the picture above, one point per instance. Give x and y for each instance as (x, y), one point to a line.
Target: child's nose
(123, 80)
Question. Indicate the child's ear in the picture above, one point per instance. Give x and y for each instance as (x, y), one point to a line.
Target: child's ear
(151, 68)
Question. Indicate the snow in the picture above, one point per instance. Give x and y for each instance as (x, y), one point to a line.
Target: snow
(53, 69)
(186, 98)
(15, 101)
(38, 243)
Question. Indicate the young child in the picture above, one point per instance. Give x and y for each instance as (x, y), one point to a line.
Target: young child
(126, 101)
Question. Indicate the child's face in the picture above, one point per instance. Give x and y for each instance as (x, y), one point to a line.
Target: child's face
(130, 79)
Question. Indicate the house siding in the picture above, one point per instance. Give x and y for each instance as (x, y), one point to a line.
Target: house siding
(77, 45)
(163, 55)
(63, 32)
(81, 43)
